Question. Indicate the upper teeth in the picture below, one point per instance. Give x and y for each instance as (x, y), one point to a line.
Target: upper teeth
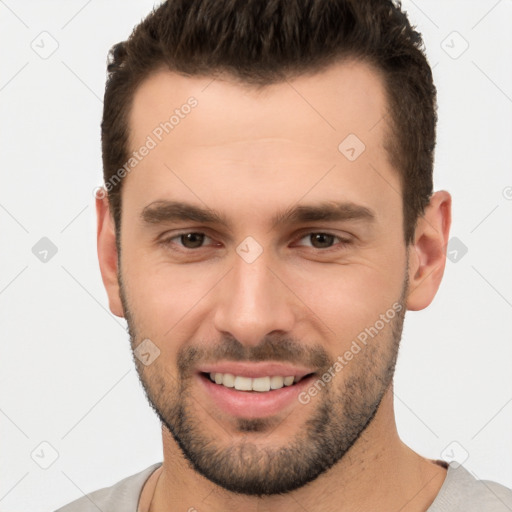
(248, 384)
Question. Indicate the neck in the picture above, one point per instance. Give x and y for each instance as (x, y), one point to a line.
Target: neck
(379, 472)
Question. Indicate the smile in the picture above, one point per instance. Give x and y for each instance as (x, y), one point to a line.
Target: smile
(260, 384)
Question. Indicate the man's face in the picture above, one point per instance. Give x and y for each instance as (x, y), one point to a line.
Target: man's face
(262, 294)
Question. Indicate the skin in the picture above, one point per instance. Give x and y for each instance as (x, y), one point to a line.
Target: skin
(249, 154)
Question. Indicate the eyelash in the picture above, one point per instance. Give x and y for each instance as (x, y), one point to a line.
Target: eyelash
(343, 242)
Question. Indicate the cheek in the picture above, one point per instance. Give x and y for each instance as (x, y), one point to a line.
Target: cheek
(164, 296)
(348, 298)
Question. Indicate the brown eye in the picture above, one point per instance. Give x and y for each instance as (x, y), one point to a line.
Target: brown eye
(188, 242)
(192, 240)
(321, 240)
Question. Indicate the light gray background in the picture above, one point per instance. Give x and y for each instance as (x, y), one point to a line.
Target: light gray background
(66, 372)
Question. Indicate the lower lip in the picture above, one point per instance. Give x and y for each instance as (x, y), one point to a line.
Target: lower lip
(253, 404)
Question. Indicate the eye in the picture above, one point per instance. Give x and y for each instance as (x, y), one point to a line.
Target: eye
(323, 240)
(188, 240)
(191, 240)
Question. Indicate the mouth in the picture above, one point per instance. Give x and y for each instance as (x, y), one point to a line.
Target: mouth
(254, 384)
(254, 391)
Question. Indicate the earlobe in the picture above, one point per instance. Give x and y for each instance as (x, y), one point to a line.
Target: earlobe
(107, 254)
(427, 256)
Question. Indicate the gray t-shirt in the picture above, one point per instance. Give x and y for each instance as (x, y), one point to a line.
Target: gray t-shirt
(460, 492)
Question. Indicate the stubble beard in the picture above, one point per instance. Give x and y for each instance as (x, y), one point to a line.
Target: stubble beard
(340, 413)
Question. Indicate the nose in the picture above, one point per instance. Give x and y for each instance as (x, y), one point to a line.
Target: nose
(253, 302)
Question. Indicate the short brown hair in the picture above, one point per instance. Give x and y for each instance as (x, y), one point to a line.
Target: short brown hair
(260, 43)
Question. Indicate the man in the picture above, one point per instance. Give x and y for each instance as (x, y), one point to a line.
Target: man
(267, 219)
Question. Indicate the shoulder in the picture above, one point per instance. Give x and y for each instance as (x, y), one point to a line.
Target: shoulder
(462, 491)
(122, 496)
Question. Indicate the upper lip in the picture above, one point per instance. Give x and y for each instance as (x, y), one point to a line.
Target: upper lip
(254, 370)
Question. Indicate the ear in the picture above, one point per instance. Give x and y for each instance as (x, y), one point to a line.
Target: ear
(107, 253)
(427, 256)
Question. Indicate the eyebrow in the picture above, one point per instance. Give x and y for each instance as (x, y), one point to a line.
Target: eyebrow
(173, 211)
(326, 211)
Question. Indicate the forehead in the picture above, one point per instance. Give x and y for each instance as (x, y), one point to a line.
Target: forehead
(212, 133)
(317, 109)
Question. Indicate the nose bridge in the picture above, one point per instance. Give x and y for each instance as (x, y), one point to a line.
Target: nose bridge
(253, 302)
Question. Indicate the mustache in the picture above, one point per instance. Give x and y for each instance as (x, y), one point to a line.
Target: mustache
(271, 349)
